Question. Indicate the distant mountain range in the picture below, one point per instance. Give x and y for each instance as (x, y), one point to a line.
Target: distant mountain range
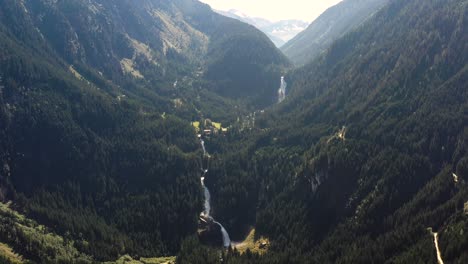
(334, 23)
(279, 32)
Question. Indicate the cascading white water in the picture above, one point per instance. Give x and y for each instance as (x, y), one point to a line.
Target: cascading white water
(207, 211)
(282, 90)
(226, 238)
(203, 147)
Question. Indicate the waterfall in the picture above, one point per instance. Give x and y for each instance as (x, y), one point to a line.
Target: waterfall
(203, 146)
(207, 210)
(282, 90)
(206, 213)
(226, 238)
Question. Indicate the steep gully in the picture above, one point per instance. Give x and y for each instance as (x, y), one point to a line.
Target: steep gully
(206, 214)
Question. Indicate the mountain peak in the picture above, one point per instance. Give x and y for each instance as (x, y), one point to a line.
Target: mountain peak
(278, 31)
(328, 27)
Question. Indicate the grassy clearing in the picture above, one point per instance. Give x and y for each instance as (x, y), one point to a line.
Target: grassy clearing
(217, 125)
(259, 246)
(128, 67)
(129, 260)
(7, 253)
(163, 260)
(196, 125)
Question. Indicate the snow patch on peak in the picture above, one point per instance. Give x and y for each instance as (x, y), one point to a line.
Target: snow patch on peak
(279, 32)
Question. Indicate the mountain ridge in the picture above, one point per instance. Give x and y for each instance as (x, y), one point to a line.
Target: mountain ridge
(365, 160)
(279, 32)
(328, 27)
(356, 165)
(96, 141)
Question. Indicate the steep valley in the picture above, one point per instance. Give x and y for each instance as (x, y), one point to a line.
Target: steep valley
(159, 131)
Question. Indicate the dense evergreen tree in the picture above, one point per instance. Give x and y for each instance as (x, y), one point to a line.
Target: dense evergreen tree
(364, 151)
(368, 151)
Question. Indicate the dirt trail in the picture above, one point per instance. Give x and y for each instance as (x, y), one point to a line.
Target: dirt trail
(436, 243)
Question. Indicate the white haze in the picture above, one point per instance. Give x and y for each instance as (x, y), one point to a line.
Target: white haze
(306, 10)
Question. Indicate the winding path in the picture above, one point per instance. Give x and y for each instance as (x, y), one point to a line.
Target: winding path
(436, 244)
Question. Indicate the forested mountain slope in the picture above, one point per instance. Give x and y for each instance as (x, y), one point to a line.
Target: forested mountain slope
(364, 162)
(328, 27)
(80, 161)
(368, 156)
(96, 99)
(153, 41)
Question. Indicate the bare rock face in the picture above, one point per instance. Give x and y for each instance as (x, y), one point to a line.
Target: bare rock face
(466, 208)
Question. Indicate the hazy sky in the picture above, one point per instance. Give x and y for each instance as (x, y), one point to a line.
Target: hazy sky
(306, 10)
